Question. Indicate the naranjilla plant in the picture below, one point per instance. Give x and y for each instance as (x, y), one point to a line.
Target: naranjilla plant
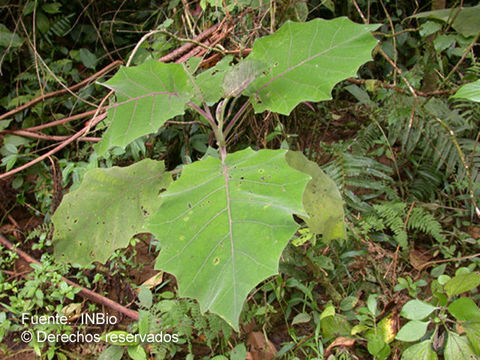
(223, 223)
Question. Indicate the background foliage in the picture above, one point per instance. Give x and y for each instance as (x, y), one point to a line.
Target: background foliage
(403, 152)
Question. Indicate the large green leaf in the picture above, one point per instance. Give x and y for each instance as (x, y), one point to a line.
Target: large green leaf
(147, 96)
(223, 225)
(108, 208)
(465, 20)
(458, 348)
(322, 200)
(307, 60)
(420, 351)
(469, 91)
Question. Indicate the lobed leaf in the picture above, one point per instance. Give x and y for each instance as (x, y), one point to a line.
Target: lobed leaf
(307, 60)
(108, 208)
(147, 96)
(223, 225)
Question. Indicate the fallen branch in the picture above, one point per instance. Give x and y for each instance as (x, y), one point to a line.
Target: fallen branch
(62, 121)
(210, 43)
(87, 294)
(71, 139)
(42, 136)
(188, 46)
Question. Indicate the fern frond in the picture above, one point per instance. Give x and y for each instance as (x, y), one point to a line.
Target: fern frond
(26, 76)
(360, 178)
(61, 24)
(392, 213)
(19, 100)
(420, 219)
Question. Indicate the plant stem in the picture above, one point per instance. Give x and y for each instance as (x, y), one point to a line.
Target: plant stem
(235, 118)
(220, 114)
(206, 114)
